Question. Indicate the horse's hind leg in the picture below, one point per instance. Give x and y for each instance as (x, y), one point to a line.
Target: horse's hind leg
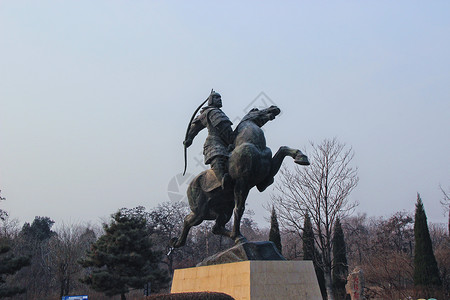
(219, 227)
(189, 221)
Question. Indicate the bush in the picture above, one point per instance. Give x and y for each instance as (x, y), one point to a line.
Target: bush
(191, 296)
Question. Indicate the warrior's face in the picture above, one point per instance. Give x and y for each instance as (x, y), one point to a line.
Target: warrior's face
(215, 100)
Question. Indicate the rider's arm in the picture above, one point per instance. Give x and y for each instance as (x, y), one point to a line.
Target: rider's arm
(196, 127)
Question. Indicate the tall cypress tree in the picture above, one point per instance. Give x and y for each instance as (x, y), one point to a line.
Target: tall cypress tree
(274, 234)
(426, 273)
(310, 252)
(340, 267)
(308, 239)
(123, 258)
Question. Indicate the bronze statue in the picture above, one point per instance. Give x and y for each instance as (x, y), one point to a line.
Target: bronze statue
(250, 164)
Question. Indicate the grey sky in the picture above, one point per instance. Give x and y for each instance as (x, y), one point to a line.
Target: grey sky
(95, 96)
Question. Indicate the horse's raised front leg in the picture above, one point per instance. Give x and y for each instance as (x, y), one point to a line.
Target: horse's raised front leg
(240, 196)
(284, 151)
(277, 160)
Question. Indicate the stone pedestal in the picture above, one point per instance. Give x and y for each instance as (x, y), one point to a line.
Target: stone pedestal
(252, 279)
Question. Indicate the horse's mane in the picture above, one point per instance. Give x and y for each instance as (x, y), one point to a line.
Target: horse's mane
(255, 114)
(248, 117)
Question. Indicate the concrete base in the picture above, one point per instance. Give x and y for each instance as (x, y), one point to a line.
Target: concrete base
(252, 280)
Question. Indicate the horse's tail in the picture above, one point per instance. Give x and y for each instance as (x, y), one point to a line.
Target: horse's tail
(199, 187)
(192, 192)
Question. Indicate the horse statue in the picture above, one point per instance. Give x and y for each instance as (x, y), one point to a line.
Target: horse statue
(250, 164)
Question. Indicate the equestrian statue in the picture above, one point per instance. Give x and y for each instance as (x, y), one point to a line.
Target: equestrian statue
(239, 159)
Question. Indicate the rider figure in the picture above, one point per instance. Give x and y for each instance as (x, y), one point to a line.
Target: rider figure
(220, 137)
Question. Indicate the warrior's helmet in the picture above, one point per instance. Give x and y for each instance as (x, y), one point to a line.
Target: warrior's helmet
(214, 99)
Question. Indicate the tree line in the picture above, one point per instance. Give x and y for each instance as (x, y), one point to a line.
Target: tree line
(126, 256)
(398, 255)
(312, 218)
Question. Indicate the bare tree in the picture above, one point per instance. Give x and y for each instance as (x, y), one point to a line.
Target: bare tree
(441, 248)
(320, 190)
(446, 204)
(67, 247)
(3, 214)
(33, 240)
(357, 238)
(9, 228)
(291, 242)
(165, 221)
(383, 248)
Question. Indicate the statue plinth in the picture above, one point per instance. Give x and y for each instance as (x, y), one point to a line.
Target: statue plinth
(250, 270)
(252, 280)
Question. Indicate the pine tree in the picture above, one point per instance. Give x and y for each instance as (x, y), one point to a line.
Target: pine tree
(9, 264)
(310, 252)
(123, 258)
(426, 273)
(39, 230)
(274, 234)
(340, 267)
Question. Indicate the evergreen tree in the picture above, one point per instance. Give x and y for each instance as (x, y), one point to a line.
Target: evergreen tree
(39, 230)
(308, 239)
(274, 234)
(340, 267)
(9, 264)
(426, 273)
(123, 258)
(310, 252)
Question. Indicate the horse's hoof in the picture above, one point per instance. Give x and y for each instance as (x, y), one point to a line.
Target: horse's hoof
(301, 159)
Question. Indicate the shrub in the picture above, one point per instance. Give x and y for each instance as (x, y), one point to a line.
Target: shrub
(191, 296)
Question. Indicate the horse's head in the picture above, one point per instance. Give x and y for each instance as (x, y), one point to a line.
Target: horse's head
(261, 117)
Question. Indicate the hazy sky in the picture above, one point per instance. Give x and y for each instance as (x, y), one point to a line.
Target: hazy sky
(95, 96)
